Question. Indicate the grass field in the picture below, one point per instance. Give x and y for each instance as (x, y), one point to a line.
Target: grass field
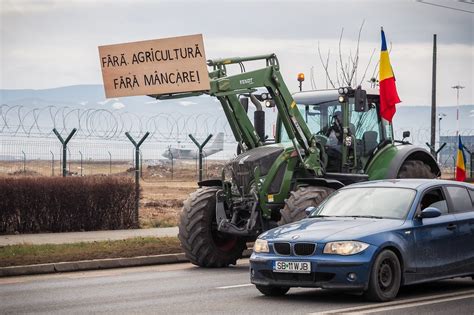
(26, 254)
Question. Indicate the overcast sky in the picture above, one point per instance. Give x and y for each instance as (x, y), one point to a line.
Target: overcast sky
(46, 44)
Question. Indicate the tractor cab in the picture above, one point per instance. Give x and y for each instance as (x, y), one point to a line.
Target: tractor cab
(347, 123)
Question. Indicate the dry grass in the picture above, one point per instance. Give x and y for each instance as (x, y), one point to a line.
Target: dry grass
(162, 202)
(26, 254)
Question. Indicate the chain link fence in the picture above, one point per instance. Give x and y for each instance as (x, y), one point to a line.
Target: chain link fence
(28, 145)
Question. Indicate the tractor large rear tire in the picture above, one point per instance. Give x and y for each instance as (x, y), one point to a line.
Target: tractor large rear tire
(203, 245)
(299, 200)
(415, 169)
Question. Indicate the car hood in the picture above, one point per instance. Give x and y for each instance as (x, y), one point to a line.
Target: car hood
(330, 229)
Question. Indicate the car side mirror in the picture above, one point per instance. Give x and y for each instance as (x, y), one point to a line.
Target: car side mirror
(406, 134)
(430, 212)
(308, 210)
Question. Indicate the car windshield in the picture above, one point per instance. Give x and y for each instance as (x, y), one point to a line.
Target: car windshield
(371, 202)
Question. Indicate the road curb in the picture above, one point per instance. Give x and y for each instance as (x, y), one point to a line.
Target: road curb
(97, 264)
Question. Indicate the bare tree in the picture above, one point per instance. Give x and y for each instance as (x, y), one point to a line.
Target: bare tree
(346, 70)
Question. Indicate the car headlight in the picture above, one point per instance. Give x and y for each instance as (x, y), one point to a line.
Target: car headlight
(260, 246)
(345, 248)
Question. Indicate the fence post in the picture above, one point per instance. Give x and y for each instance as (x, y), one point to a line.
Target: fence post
(24, 161)
(200, 147)
(64, 144)
(141, 164)
(110, 163)
(52, 163)
(171, 157)
(137, 171)
(81, 161)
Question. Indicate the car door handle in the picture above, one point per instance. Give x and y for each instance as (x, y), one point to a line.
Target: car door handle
(451, 226)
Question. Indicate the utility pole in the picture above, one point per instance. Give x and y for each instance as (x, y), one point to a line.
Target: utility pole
(433, 101)
(457, 87)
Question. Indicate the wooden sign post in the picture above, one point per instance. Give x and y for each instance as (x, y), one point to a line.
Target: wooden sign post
(161, 66)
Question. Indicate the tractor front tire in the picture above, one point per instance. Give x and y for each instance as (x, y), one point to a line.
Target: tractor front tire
(202, 243)
(299, 200)
(415, 169)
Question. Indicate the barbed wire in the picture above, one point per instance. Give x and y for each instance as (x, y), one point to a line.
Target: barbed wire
(422, 135)
(104, 124)
(18, 120)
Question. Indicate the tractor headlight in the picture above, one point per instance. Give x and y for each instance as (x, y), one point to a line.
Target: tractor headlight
(346, 90)
(341, 90)
(260, 246)
(342, 99)
(345, 248)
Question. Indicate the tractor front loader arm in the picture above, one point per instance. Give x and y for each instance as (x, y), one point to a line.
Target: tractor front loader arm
(227, 88)
(270, 78)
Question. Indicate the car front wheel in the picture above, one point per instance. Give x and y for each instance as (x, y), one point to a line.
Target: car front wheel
(272, 290)
(385, 277)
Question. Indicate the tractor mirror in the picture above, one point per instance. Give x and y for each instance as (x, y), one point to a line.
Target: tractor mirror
(360, 100)
(406, 134)
(244, 101)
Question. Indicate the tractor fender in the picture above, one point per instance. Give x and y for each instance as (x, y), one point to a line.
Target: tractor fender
(210, 183)
(330, 183)
(387, 162)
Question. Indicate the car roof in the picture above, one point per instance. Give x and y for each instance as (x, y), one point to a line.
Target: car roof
(418, 183)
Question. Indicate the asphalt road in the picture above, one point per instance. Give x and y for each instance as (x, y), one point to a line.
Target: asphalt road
(185, 289)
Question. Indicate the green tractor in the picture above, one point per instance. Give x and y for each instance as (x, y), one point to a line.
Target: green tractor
(324, 140)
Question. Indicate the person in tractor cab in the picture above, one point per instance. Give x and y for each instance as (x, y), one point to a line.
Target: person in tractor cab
(333, 147)
(334, 132)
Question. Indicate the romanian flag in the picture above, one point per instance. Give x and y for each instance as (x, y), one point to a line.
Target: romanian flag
(388, 90)
(460, 163)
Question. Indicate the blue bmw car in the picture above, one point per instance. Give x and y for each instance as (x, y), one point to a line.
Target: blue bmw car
(372, 237)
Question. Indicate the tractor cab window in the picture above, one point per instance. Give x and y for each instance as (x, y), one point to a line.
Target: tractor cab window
(319, 118)
(366, 128)
(325, 120)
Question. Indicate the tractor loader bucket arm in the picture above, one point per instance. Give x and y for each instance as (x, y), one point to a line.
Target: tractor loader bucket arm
(227, 88)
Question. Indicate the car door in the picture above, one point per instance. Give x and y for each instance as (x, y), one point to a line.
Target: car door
(434, 236)
(462, 205)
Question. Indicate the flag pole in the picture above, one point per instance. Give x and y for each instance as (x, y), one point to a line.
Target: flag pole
(433, 101)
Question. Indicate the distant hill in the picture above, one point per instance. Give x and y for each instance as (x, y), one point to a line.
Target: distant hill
(92, 96)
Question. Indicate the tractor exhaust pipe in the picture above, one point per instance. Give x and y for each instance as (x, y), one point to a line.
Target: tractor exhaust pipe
(258, 118)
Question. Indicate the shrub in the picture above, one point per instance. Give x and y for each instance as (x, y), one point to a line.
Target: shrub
(48, 204)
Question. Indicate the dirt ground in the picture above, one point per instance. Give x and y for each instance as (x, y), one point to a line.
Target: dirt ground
(161, 202)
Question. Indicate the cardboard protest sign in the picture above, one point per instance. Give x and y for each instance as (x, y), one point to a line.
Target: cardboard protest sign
(160, 66)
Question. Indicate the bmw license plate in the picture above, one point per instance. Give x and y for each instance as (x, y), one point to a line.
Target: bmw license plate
(292, 266)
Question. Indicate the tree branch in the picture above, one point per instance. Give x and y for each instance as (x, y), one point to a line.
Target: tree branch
(326, 65)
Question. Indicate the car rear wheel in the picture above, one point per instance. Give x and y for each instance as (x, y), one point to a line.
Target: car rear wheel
(272, 290)
(385, 277)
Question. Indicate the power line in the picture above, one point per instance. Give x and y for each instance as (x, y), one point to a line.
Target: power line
(446, 7)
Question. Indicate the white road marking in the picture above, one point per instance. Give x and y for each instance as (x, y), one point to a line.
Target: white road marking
(389, 308)
(400, 304)
(235, 286)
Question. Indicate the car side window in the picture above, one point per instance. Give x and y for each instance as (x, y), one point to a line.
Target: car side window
(460, 199)
(471, 192)
(434, 198)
